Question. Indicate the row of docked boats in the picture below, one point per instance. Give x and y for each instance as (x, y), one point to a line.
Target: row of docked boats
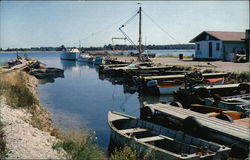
(35, 68)
(208, 119)
(161, 142)
(74, 54)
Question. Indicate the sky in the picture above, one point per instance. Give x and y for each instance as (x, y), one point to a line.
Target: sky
(25, 24)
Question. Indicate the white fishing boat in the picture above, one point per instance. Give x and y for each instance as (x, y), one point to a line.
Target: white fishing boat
(161, 142)
(84, 57)
(70, 54)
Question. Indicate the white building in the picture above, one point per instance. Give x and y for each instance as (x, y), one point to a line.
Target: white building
(216, 45)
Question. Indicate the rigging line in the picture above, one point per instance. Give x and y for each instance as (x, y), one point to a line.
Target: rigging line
(130, 40)
(161, 28)
(130, 19)
(109, 27)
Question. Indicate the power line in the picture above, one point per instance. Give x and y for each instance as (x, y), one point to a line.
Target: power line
(161, 28)
(106, 28)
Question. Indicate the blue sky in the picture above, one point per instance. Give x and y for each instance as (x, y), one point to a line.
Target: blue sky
(53, 23)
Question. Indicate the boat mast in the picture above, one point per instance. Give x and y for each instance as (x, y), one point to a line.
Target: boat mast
(140, 50)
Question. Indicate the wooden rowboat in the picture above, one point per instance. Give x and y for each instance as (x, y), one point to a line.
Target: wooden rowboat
(162, 143)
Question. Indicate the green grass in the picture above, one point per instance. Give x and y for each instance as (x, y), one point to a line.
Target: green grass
(81, 147)
(125, 153)
(13, 86)
(239, 77)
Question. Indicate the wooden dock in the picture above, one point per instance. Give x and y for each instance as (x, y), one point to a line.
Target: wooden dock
(223, 131)
(205, 75)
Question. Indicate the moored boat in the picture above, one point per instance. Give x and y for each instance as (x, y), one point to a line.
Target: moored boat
(98, 60)
(84, 57)
(239, 103)
(164, 143)
(201, 125)
(70, 54)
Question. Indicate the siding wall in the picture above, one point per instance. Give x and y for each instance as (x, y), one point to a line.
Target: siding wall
(204, 50)
(229, 48)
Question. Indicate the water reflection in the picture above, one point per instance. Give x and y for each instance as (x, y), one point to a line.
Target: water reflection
(69, 65)
(47, 80)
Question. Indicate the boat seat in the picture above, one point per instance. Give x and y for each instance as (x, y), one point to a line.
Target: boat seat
(150, 139)
(133, 130)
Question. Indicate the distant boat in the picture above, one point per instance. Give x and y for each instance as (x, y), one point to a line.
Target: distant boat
(160, 142)
(84, 57)
(98, 60)
(70, 54)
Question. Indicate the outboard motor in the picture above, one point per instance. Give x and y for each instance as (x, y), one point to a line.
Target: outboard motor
(152, 83)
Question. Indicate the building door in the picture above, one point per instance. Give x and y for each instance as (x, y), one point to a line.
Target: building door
(210, 50)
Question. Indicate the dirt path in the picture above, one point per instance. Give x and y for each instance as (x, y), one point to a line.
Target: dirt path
(215, 65)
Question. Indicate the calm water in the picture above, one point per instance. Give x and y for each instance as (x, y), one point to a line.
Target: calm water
(83, 98)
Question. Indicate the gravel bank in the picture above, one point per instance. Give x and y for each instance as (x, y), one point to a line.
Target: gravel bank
(22, 139)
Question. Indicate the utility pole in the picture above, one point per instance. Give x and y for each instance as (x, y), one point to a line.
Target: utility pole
(140, 50)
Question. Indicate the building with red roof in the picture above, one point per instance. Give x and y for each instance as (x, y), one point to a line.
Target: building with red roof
(220, 45)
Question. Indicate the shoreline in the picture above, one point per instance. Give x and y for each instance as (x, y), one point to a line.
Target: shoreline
(23, 139)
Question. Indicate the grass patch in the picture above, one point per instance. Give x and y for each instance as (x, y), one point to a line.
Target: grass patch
(173, 56)
(239, 77)
(125, 153)
(13, 86)
(80, 146)
(15, 90)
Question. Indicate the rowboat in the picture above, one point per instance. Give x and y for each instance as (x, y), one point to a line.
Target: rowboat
(168, 87)
(162, 143)
(239, 103)
(198, 94)
(201, 125)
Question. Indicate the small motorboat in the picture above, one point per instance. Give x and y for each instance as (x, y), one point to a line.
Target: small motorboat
(84, 57)
(162, 143)
(98, 60)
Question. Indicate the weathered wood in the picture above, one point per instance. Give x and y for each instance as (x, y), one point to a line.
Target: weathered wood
(150, 139)
(205, 75)
(133, 130)
(210, 122)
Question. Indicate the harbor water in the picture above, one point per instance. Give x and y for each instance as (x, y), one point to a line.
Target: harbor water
(83, 97)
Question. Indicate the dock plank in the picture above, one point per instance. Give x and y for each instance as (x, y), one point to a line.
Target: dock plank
(210, 122)
(133, 130)
(150, 139)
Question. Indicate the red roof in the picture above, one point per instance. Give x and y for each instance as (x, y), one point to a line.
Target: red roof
(227, 36)
(220, 35)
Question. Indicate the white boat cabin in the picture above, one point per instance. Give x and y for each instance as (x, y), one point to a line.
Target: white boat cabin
(217, 45)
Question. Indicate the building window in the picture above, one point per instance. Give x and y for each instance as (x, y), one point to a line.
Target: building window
(198, 46)
(207, 37)
(217, 46)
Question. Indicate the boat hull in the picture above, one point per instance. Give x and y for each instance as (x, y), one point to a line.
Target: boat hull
(81, 59)
(69, 56)
(159, 142)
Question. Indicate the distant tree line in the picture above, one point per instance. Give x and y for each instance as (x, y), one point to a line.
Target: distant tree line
(107, 47)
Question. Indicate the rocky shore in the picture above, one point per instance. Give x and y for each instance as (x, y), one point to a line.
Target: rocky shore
(23, 140)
